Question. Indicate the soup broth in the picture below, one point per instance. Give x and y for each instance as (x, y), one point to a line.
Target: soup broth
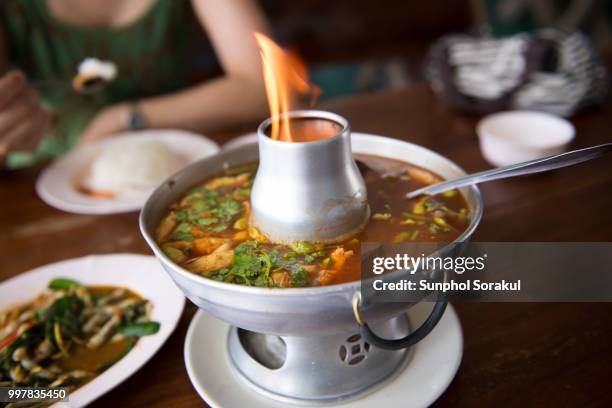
(206, 231)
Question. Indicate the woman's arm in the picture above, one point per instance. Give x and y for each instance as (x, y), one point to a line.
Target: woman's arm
(23, 122)
(238, 96)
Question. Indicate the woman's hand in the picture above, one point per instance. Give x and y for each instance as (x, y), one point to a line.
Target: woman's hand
(107, 122)
(23, 122)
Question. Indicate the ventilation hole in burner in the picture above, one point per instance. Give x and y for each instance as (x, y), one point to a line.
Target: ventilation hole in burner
(342, 353)
(355, 350)
(269, 351)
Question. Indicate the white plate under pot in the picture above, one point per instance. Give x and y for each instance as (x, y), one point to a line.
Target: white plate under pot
(429, 372)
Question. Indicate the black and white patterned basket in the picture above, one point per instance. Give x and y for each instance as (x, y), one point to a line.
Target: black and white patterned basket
(549, 70)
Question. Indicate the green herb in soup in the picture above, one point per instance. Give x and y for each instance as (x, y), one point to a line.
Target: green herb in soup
(207, 230)
(70, 334)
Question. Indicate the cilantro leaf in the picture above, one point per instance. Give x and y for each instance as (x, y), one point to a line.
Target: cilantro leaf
(204, 222)
(227, 209)
(182, 232)
(306, 248)
(300, 278)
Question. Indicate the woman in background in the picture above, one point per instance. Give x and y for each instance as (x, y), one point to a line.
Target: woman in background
(189, 64)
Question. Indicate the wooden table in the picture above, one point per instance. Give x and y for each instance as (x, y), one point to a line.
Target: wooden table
(515, 354)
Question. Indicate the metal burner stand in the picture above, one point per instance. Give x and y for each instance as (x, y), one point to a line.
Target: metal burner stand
(316, 369)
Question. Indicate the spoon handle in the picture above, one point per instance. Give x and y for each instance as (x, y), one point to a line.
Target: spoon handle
(518, 169)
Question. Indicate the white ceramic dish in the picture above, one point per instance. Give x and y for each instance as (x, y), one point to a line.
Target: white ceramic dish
(429, 372)
(240, 141)
(55, 185)
(142, 274)
(517, 136)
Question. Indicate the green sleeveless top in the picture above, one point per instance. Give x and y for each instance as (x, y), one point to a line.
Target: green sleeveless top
(165, 50)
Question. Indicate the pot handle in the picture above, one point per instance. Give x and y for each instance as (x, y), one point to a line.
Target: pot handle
(412, 338)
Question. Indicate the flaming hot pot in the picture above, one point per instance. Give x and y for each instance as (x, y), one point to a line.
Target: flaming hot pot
(315, 344)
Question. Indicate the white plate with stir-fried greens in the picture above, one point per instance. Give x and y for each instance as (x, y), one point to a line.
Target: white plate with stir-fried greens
(86, 323)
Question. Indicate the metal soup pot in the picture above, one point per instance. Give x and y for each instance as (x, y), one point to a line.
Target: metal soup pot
(304, 312)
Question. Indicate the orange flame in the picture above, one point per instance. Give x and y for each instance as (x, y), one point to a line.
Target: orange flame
(285, 76)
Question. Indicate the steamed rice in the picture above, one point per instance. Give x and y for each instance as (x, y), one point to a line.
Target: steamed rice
(132, 165)
(93, 67)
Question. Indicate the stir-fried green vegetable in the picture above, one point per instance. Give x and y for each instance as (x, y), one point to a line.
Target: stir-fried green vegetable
(70, 326)
(64, 284)
(139, 329)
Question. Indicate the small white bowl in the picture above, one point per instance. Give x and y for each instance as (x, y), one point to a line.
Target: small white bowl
(517, 136)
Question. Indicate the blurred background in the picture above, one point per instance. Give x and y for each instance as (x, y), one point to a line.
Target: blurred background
(190, 64)
(354, 46)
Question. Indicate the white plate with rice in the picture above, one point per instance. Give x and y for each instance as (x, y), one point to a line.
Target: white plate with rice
(239, 141)
(138, 273)
(118, 174)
